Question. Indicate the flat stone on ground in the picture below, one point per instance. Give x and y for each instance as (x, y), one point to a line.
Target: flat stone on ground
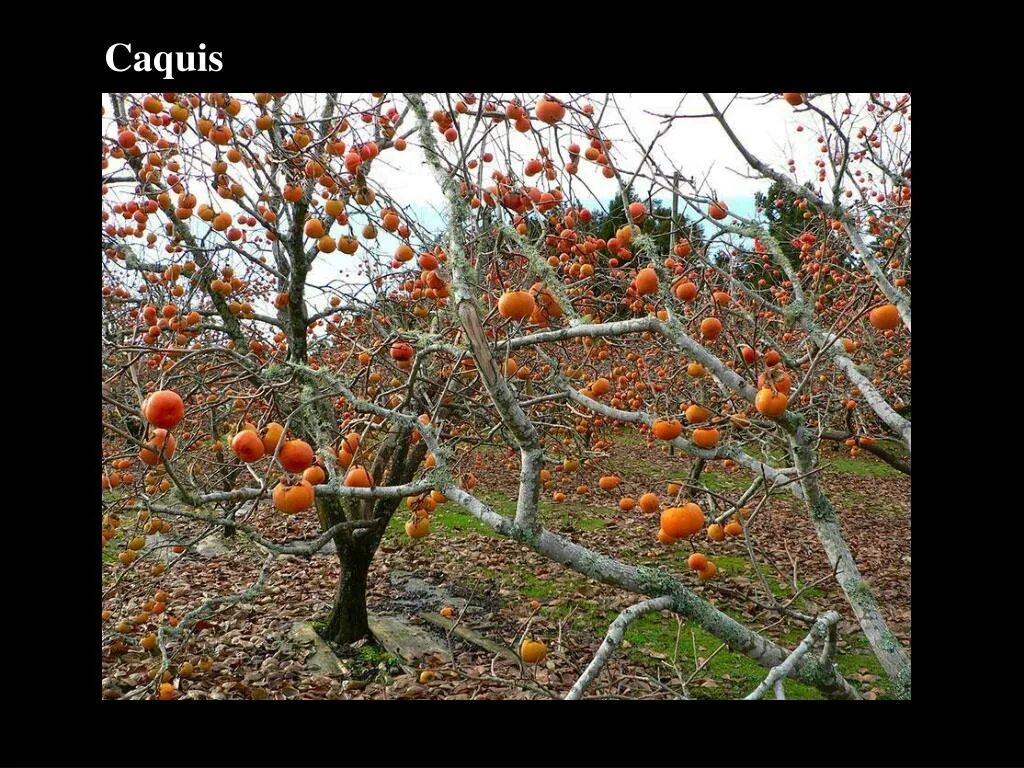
(212, 546)
(407, 640)
(323, 659)
(425, 594)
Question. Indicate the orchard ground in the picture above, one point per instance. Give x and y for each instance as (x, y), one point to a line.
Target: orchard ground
(248, 651)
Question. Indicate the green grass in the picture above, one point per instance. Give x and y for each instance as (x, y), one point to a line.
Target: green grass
(653, 642)
(862, 465)
(629, 437)
(538, 588)
(447, 519)
(730, 565)
(737, 675)
(110, 552)
(452, 518)
(719, 481)
(584, 518)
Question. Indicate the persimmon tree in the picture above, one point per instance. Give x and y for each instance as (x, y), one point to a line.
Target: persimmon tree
(253, 389)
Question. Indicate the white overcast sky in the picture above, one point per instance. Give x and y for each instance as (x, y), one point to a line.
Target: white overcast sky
(698, 147)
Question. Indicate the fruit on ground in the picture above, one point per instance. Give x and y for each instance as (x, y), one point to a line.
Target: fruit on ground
(680, 522)
(716, 532)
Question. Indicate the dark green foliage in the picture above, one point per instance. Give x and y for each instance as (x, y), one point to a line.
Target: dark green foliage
(658, 223)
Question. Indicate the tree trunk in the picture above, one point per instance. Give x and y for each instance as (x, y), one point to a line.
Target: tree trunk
(348, 621)
(395, 463)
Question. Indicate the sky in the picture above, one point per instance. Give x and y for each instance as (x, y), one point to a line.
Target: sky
(698, 147)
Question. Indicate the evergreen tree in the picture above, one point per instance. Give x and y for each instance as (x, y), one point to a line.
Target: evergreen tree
(657, 225)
